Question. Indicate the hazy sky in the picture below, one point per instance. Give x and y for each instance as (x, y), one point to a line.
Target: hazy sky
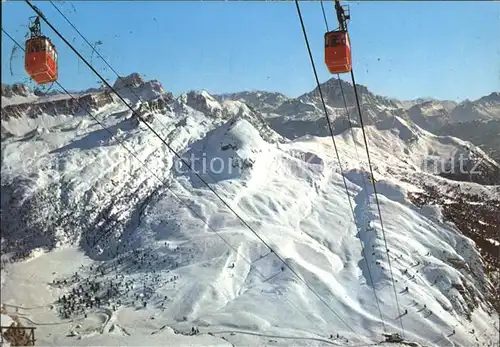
(407, 49)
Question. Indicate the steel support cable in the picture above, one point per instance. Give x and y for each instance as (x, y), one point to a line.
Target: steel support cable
(324, 106)
(324, 15)
(373, 181)
(121, 142)
(330, 128)
(336, 151)
(102, 58)
(345, 103)
(363, 181)
(350, 123)
(376, 198)
(187, 165)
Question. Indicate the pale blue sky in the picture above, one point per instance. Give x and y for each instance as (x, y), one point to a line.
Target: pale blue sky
(446, 49)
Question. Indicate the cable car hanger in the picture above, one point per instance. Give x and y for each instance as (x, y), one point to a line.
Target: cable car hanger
(342, 17)
(35, 27)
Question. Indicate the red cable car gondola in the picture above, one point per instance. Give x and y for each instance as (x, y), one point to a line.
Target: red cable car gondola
(337, 45)
(337, 52)
(40, 60)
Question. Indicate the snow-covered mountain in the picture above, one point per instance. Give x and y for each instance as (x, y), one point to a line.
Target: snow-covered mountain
(447, 104)
(296, 117)
(486, 135)
(259, 100)
(485, 108)
(108, 238)
(429, 115)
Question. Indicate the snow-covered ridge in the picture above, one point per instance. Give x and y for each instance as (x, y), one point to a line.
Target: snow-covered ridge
(484, 109)
(53, 139)
(36, 113)
(16, 93)
(24, 118)
(135, 88)
(259, 100)
(306, 111)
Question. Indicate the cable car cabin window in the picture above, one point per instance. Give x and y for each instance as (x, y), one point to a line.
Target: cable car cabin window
(50, 50)
(336, 39)
(45, 45)
(35, 46)
(40, 45)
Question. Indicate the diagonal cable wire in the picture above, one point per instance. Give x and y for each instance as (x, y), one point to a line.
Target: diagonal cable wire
(324, 15)
(373, 184)
(363, 179)
(369, 164)
(330, 128)
(374, 187)
(187, 165)
(376, 200)
(350, 122)
(337, 153)
(162, 182)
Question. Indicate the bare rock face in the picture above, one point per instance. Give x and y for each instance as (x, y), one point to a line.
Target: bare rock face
(136, 89)
(161, 103)
(203, 102)
(133, 80)
(429, 115)
(150, 93)
(261, 101)
(17, 89)
(485, 108)
(58, 106)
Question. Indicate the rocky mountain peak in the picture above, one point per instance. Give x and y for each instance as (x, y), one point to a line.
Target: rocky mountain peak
(16, 89)
(133, 80)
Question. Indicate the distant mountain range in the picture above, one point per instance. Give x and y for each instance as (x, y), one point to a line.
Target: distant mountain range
(477, 121)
